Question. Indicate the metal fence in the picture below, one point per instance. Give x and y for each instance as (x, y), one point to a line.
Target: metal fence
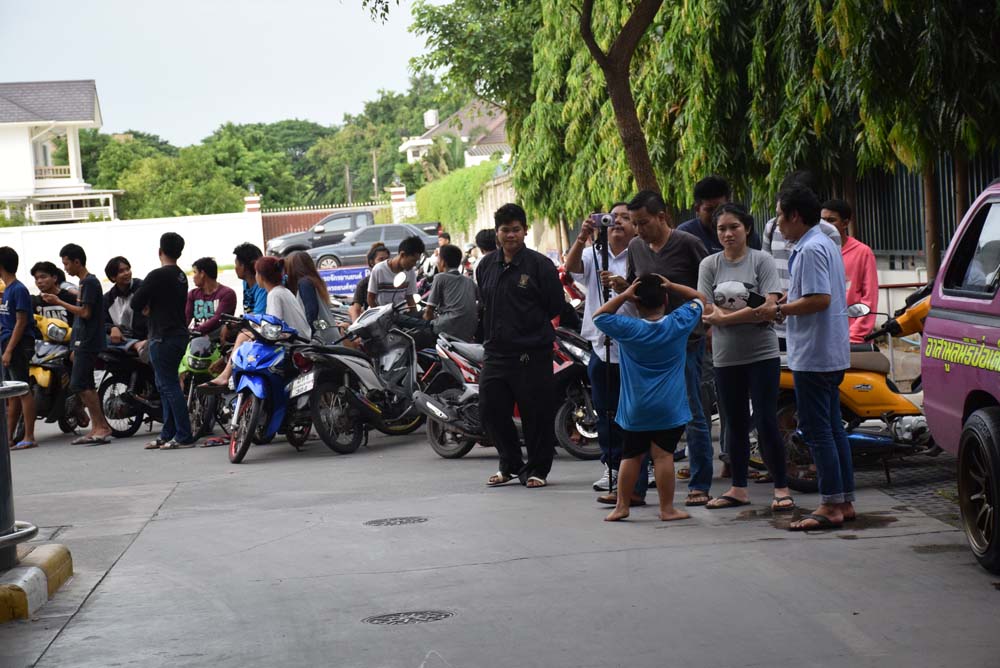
(890, 206)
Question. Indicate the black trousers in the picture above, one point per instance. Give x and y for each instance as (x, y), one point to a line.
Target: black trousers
(527, 381)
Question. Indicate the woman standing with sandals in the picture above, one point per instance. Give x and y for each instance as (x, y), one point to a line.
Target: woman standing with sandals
(745, 353)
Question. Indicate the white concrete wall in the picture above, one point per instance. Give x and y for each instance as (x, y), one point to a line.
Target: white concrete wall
(17, 168)
(137, 240)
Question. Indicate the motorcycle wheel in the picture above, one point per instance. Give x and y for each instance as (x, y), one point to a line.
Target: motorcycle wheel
(245, 426)
(202, 410)
(799, 465)
(260, 437)
(70, 419)
(331, 417)
(979, 485)
(446, 443)
(110, 395)
(570, 434)
(224, 412)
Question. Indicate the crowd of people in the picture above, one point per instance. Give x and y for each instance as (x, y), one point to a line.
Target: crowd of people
(680, 319)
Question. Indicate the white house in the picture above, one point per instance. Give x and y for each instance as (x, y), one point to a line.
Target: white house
(32, 115)
(481, 126)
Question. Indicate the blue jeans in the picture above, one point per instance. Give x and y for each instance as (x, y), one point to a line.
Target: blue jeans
(609, 434)
(699, 438)
(817, 399)
(165, 356)
(739, 385)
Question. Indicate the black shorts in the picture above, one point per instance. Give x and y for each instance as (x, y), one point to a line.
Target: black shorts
(19, 359)
(81, 377)
(637, 443)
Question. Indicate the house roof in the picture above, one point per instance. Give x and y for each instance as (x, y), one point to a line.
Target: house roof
(477, 120)
(49, 101)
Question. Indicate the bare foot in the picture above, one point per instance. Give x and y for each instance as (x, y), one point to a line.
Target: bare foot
(847, 510)
(616, 515)
(673, 514)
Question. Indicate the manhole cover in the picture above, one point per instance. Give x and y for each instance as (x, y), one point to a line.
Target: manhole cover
(395, 521)
(415, 617)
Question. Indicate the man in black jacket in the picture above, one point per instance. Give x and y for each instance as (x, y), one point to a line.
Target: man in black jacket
(123, 326)
(521, 293)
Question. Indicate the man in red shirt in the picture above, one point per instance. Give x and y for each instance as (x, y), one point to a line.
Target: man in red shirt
(859, 267)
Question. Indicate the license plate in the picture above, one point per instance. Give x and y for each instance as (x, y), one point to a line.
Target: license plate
(303, 384)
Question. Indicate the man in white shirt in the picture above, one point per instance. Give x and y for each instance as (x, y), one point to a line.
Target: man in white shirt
(584, 262)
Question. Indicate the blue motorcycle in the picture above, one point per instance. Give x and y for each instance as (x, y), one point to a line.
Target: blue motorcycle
(270, 398)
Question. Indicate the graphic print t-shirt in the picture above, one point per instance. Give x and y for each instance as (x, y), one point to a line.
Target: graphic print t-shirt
(55, 310)
(380, 283)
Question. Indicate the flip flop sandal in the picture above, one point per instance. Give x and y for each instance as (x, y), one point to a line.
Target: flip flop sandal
(684, 474)
(825, 523)
(90, 440)
(726, 501)
(699, 499)
(539, 483)
(782, 509)
(175, 445)
(25, 445)
(154, 444)
(612, 500)
(214, 442)
(498, 479)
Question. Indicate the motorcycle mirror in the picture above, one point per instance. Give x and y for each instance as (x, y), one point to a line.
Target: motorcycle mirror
(399, 279)
(858, 310)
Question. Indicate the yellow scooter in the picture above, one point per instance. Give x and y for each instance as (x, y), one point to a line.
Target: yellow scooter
(49, 372)
(881, 421)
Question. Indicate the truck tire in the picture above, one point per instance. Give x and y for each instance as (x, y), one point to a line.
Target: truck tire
(978, 481)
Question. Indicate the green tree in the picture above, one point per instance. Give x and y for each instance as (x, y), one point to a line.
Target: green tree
(92, 142)
(452, 200)
(190, 184)
(117, 158)
(248, 154)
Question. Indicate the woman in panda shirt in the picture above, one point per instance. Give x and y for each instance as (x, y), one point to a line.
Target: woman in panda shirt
(745, 353)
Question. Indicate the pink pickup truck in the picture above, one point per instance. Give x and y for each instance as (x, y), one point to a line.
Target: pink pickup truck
(961, 370)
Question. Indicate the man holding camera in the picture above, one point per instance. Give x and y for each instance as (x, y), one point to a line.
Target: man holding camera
(585, 263)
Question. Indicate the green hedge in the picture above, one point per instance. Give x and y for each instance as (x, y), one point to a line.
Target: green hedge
(452, 199)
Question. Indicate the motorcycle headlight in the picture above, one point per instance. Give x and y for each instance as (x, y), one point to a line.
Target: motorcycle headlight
(56, 333)
(197, 363)
(270, 331)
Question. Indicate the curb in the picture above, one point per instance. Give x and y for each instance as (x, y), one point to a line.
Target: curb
(39, 574)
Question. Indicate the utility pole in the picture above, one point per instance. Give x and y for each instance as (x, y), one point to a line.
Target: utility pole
(347, 183)
(374, 174)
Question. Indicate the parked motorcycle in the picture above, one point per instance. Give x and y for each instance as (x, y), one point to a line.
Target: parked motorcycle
(49, 373)
(454, 425)
(353, 390)
(271, 396)
(127, 392)
(203, 409)
(881, 421)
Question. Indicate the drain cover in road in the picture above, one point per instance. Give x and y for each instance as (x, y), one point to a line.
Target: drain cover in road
(414, 617)
(395, 521)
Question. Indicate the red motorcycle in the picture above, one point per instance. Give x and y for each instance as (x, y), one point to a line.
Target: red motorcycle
(453, 422)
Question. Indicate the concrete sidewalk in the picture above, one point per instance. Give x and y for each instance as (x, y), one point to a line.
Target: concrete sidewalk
(186, 560)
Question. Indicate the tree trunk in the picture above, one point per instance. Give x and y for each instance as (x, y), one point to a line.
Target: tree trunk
(961, 170)
(932, 221)
(630, 129)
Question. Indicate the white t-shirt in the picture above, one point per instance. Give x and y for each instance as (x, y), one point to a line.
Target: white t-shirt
(591, 279)
(380, 284)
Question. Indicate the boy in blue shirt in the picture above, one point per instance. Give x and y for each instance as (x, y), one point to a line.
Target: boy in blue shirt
(17, 337)
(653, 408)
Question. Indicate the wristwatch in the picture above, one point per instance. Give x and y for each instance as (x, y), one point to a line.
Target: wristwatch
(778, 315)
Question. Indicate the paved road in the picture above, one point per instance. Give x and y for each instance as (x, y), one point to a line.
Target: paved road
(185, 560)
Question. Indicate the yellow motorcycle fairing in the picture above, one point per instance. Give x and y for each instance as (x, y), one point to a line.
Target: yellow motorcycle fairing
(41, 376)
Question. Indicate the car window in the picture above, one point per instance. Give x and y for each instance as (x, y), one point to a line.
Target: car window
(975, 267)
(368, 235)
(342, 224)
(360, 219)
(397, 233)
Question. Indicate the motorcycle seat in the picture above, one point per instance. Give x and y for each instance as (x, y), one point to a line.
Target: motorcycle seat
(870, 361)
(472, 351)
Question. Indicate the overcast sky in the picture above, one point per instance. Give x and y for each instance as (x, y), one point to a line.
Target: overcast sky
(180, 68)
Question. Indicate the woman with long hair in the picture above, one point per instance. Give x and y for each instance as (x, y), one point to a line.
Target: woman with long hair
(303, 280)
